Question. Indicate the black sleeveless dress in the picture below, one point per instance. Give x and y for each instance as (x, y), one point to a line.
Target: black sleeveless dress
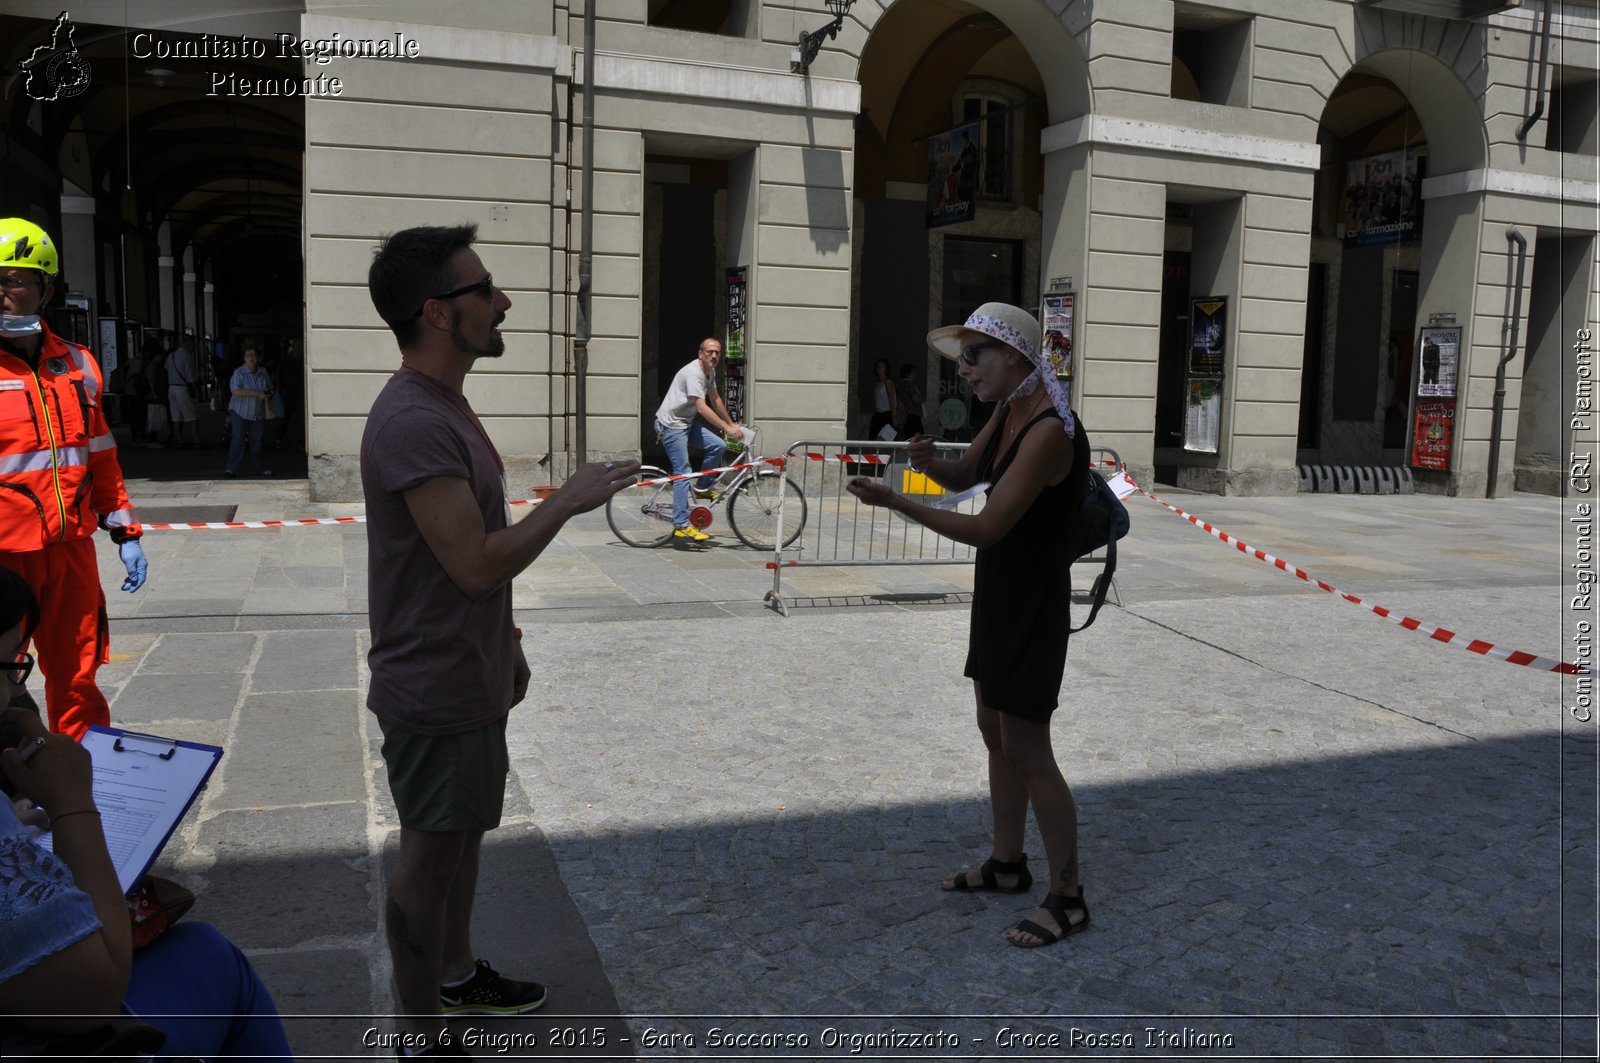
(1022, 588)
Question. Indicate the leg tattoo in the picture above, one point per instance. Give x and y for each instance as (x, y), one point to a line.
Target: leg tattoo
(399, 927)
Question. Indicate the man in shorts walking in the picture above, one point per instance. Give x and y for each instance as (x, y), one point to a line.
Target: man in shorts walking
(447, 663)
(180, 392)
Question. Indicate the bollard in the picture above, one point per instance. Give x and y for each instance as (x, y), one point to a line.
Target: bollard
(1308, 478)
(1386, 480)
(1326, 482)
(1406, 484)
(1366, 480)
(1345, 478)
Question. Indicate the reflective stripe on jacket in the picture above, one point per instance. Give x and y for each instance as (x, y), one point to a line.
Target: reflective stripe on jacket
(59, 477)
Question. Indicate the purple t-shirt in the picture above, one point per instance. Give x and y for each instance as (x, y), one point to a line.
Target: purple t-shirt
(441, 662)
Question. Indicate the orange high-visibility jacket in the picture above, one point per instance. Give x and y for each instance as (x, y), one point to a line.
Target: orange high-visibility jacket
(59, 477)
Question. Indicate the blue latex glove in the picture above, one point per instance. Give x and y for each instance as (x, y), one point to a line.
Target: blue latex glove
(132, 555)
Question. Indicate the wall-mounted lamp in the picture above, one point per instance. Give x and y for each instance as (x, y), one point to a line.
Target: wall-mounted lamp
(811, 43)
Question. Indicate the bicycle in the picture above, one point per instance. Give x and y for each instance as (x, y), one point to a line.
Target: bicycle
(641, 513)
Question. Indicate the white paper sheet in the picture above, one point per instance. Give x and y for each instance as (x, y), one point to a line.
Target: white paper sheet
(142, 795)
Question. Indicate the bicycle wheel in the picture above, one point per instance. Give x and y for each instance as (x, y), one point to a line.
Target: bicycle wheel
(642, 516)
(753, 510)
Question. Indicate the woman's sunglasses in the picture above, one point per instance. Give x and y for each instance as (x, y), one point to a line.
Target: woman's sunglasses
(969, 355)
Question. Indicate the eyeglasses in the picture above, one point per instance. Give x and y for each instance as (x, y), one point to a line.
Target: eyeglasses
(12, 283)
(969, 355)
(19, 670)
(486, 286)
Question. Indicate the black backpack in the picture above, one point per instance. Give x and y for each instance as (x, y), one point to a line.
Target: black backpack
(1100, 521)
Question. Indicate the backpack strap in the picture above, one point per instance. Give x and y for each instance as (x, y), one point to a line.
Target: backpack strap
(1102, 584)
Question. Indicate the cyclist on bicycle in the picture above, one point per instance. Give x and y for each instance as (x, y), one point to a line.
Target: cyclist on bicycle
(694, 394)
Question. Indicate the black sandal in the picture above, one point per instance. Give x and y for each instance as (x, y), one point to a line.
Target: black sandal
(989, 871)
(1058, 905)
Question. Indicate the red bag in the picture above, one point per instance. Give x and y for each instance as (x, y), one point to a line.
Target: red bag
(154, 904)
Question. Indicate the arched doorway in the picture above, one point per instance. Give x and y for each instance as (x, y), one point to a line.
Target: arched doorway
(951, 207)
(1390, 291)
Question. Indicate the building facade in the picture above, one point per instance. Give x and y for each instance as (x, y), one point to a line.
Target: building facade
(1266, 234)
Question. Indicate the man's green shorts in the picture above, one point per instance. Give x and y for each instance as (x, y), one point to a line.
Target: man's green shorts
(454, 782)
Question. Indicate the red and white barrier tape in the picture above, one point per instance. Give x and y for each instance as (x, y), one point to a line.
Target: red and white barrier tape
(853, 459)
(1438, 634)
(305, 522)
(308, 522)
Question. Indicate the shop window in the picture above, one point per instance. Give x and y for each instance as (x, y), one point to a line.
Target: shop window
(1211, 55)
(1571, 120)
(726, 18)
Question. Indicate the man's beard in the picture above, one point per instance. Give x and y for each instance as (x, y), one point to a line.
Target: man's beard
(496, 346)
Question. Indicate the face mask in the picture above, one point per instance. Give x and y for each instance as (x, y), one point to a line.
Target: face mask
(19, 326)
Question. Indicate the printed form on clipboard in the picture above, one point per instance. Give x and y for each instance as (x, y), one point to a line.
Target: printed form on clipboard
(143, 786)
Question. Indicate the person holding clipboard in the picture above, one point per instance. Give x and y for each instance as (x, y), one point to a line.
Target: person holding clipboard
(66, 947)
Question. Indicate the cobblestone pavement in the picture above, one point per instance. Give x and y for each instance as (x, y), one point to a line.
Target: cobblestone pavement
(1304, 831)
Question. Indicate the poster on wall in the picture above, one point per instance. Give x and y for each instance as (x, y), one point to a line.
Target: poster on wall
(1440, 359)
(953, 176)
(1434, 434)
(110, 356)
(1202, 421)
(733, 347)
(1382, 199)
(1208, 335)
(1058, 311)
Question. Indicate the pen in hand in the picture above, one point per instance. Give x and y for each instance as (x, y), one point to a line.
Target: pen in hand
(33, 747)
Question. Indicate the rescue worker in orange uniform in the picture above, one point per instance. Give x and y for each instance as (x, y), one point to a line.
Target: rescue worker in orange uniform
(59, 480)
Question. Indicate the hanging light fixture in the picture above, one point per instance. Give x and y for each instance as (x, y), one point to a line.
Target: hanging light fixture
(811, 43)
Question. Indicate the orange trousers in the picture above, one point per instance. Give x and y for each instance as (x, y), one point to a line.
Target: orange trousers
(74, 638)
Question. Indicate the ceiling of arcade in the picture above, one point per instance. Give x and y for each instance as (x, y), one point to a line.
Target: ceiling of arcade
(223, 170)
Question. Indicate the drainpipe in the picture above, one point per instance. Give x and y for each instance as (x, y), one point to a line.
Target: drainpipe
(1544, 68)
(1509, 327)
(580, 347)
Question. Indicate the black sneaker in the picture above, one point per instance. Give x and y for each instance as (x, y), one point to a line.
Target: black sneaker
(488, 992)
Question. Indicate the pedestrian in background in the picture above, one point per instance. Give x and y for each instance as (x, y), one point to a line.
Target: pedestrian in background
(882, 400)
(181, 391)
(1033, 460)
(251, 389)
(908, 403)
(155, 377)
(289, 390)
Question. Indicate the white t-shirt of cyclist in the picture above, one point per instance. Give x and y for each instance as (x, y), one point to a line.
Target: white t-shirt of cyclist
(690, 383)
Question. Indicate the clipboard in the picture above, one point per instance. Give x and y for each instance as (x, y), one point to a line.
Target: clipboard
(143, 786)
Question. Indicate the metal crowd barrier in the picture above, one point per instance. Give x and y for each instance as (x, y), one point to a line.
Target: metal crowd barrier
(839, 530)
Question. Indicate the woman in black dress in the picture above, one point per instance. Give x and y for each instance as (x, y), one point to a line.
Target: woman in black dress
(1034, 459)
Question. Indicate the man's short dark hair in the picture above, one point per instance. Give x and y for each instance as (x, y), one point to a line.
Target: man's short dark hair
(412, 266)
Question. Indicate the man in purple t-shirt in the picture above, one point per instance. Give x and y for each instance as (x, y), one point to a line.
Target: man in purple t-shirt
(447, 663)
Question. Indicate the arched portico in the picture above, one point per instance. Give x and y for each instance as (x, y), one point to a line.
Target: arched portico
(983, 79)
(1394, 267)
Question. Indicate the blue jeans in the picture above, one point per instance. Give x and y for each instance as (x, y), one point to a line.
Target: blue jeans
(676, 440)
(236, 443)
(193, 971)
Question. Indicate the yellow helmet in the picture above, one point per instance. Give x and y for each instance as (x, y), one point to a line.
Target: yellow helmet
(25, 245)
